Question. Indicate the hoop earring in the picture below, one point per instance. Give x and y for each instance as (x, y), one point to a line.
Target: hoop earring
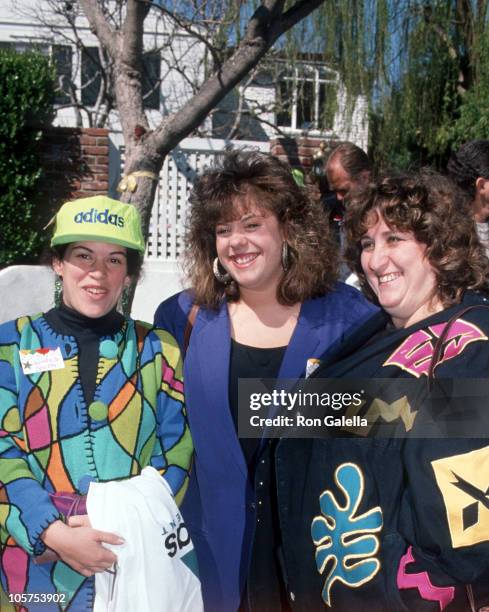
(285, 256)
(58, 291)
(222, 277)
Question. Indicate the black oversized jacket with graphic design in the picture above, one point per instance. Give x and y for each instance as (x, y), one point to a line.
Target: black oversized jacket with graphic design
(396, 523)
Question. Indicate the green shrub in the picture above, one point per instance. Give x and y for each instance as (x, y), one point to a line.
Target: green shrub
(27, 85)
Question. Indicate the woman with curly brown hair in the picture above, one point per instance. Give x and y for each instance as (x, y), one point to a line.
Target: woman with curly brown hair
(262, 270)
(431, 209)
(400, 522)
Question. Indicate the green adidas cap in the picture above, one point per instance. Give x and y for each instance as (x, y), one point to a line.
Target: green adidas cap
(101, 219)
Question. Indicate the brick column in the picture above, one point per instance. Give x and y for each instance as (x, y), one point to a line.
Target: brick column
(75, 163)
(298, 152)
(95, 154)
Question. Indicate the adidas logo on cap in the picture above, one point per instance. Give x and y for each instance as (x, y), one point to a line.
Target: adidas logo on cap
(94, 216)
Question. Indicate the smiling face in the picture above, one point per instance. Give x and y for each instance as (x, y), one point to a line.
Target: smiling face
(250, 248)
(93, 275)
(399, 273)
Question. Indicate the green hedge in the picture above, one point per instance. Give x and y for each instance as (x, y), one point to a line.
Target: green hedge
(27, 85)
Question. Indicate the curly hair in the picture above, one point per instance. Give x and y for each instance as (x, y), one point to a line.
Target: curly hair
(469, 163)
(431, 207)
(241, 179)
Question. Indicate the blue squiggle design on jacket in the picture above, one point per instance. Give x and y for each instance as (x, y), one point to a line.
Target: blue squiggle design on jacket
(341, 536)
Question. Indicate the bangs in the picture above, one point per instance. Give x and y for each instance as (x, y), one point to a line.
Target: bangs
(238, 203)
(398, 214)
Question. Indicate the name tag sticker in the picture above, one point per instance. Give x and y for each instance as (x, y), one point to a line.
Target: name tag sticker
(41, 360)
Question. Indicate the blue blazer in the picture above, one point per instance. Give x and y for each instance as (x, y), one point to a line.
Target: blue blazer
(219, 505)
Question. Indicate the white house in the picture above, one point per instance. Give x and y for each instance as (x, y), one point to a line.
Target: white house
(306, 99)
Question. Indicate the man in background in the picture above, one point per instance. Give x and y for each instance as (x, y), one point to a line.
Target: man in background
(469, 168)
(348, 167)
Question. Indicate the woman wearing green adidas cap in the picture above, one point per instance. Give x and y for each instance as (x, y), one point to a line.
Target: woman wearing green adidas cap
(86, 395)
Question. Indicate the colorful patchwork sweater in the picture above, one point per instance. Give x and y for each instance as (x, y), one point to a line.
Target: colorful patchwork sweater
(52, 441)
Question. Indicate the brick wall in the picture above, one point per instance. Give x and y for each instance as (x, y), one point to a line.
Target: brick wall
(298, 152)
(75, 163)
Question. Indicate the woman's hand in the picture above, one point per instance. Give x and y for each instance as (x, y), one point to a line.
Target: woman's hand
(79, 520)
(80, 546)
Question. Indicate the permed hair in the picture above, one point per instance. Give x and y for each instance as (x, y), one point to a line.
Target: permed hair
(469, 163)
(431, 207)
(353, 159)
(240, 180)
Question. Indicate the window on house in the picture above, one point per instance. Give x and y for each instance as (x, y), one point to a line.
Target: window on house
(307, 98)
(91, 75)
(151, 80)
(62, 58)
(284, 112)
(92, 71)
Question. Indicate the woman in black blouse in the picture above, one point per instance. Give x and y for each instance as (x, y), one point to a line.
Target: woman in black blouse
(262, 270)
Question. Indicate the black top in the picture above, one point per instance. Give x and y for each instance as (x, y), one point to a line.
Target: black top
(87, 332)
(250, 362)
(265, 589)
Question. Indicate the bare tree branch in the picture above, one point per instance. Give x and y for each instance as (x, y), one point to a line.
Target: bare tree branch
(260, 35)
(239, 111)
(298, 12)
(221, 54)
(132, 33)
(186, 26)
(107, 36)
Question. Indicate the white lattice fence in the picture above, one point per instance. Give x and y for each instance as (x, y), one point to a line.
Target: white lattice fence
(190, 158)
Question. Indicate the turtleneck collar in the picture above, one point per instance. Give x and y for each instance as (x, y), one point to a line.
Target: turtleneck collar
(67, 321)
